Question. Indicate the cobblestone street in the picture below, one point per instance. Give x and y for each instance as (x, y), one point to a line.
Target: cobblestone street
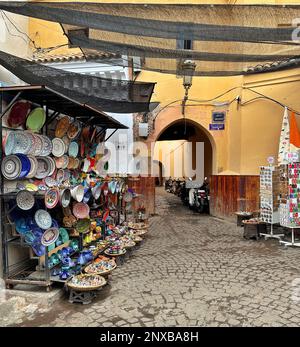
(192, 270)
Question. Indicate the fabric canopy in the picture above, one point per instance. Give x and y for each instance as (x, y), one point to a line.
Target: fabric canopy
(221, 39)
(117, 96)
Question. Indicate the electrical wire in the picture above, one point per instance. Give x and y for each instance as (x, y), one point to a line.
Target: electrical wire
(17, 29)
(8, 30)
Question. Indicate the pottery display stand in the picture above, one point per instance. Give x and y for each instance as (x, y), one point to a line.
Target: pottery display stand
(292, 243)
(271, 235)
(85, 297)
(241, 217)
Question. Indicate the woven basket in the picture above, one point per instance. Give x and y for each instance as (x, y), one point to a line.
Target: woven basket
(85, 289)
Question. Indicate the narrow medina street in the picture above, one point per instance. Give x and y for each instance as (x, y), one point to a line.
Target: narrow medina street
(192, 270)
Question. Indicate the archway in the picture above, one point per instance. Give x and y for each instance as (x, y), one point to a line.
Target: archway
(179, 140)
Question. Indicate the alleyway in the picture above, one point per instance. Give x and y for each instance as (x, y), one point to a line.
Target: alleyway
(193, 270)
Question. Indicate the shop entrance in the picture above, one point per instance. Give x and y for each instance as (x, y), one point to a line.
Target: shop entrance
(177, 150)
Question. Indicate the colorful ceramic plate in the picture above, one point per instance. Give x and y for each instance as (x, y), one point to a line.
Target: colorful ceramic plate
(43, 219)
(66, 142)
(49, 236)
(59, 148)
(62, 127)
(51, 198)
(36, 119)
(73, 149)
(18, 113)
(26, 166)
(83, 225)
(78, 193)
(44, 167)
(9, 143)
(50, 182)
(11, 167)
(38, 144)
(81, 210)
(25, 200)
(32, 139)
(31, 187)
(60, 175)
(23, 143)
(74, 130)
(66, 162)
(47, 146)
(64, 235)
(52, 166)
(65, 197)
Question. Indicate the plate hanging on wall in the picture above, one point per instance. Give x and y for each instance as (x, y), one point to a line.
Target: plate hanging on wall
(36, 119)
(18, 113)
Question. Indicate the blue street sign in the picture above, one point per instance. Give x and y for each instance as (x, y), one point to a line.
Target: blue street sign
(216, 126)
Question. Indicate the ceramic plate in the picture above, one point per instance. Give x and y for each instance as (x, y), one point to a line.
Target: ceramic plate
(60, 175)
(25, 200)
(66, 161)
(66, 142)
(62, 127)
(50, 182)
(38, 144)
(11, 167)
(73, 149)
(26, 166)
(74, 130)
(31, 187)
(47, 146)
(51, 198)
(59, 162)
(23, 143)
(18, 113)
(78, 193)
(52, 166)
(58, 149)
(33, 166)
(50, 236)
(81, 210)
(36, 119)
(64, 235)
(83, 225)
(32, 139)
(44, 167)
(9, 143)
(65, 197)
(43, 219)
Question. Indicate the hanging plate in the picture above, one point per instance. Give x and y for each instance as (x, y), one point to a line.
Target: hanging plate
(43, 219)
(62, 127)
(51, 198)
(18, 113)
(36, 119)
(73, 149)
(25, 200)
(59, 148)
(50, 236)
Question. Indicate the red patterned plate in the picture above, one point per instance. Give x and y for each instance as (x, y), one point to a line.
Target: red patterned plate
(81, 210)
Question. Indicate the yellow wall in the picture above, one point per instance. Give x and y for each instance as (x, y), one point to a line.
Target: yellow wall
(252, 131)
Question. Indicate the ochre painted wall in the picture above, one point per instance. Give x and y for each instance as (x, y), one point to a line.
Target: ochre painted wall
(251, 131)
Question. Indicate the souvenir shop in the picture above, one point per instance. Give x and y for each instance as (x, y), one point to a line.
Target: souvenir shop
(63, 219)
(280, 190)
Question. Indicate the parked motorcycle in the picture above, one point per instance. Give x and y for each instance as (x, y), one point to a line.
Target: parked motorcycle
(202, 197)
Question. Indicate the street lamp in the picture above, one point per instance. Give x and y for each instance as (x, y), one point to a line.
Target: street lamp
(188, 67)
